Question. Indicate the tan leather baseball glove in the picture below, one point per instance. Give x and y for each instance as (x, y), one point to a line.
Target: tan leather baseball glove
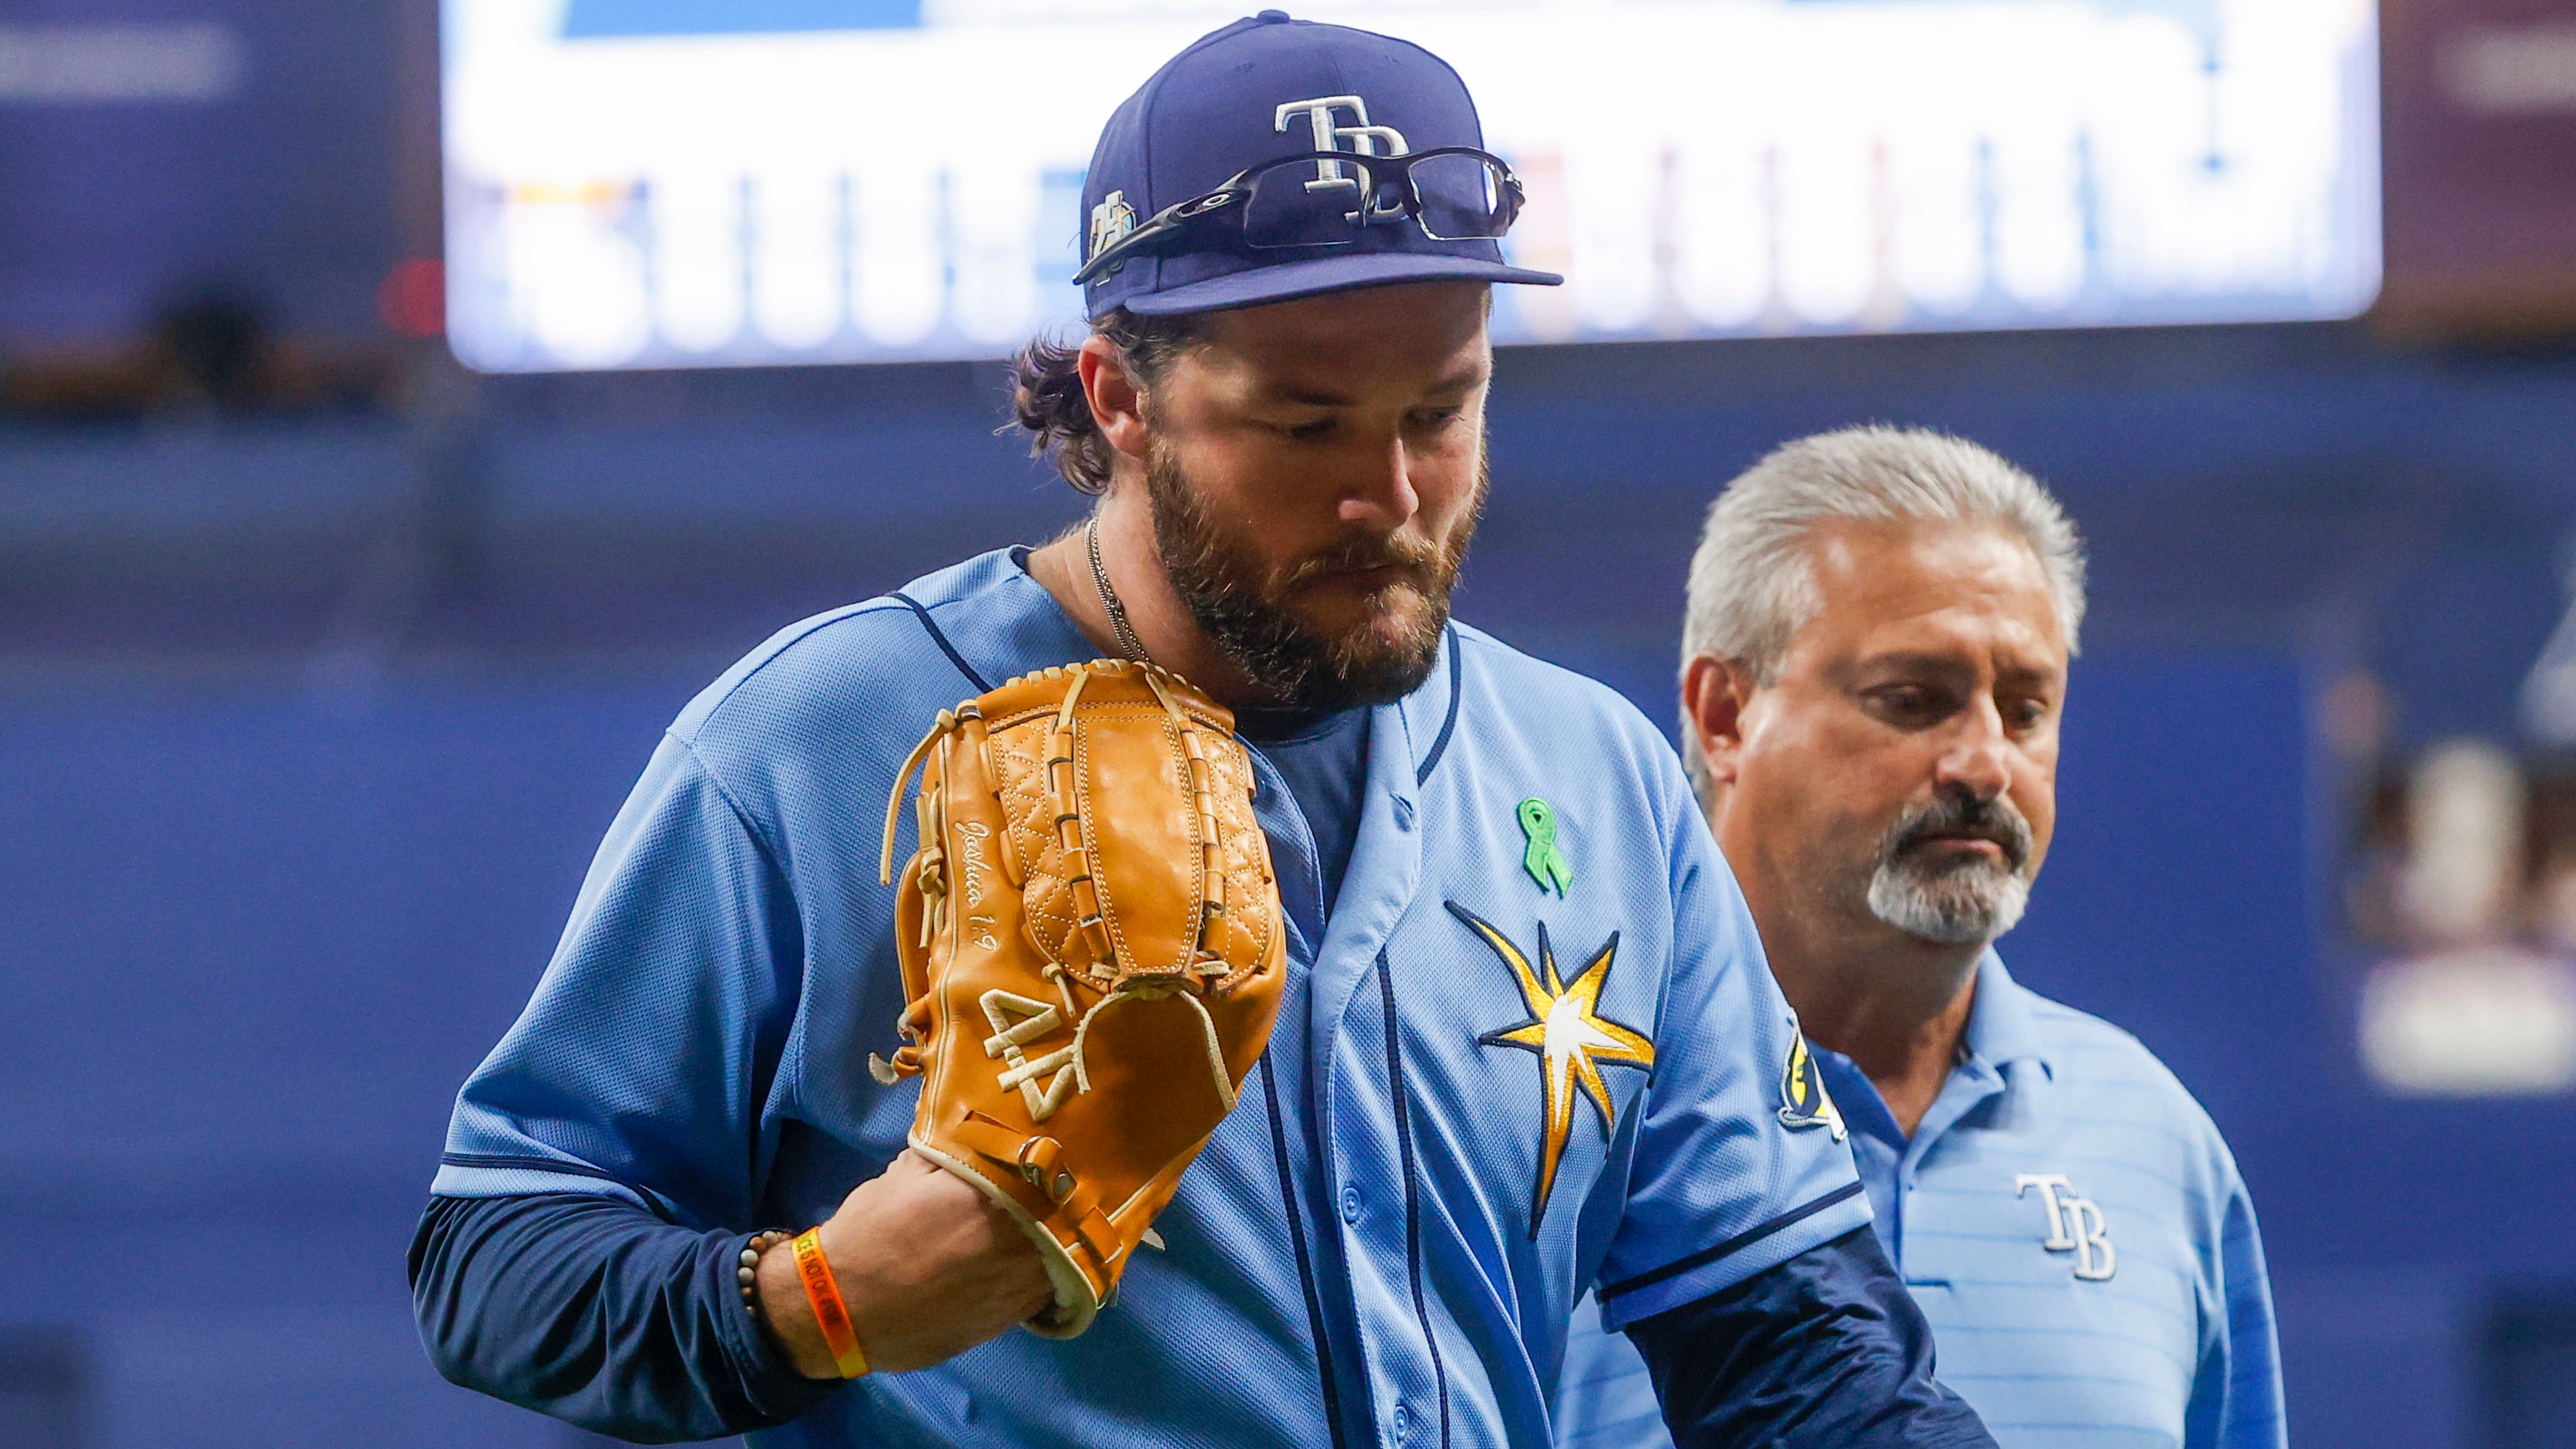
(1092, 954)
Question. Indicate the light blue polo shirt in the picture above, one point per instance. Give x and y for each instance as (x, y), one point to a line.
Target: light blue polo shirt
(2072, 1225)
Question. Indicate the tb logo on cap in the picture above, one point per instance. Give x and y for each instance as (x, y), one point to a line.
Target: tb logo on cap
(1111, 220)
(1319, 114)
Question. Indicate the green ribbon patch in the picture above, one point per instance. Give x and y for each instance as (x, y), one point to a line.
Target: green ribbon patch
(1545, 863)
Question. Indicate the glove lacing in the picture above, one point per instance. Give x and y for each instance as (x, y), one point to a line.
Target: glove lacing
(930, 865)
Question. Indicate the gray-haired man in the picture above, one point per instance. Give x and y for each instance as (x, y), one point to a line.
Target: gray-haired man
(1873, 668)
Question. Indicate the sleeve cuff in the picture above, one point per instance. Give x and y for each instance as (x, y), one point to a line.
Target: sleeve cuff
(475, 1174)
(1723, 1265)
(769, 1382)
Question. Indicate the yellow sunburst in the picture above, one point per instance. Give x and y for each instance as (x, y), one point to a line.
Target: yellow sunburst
(1572, 1040)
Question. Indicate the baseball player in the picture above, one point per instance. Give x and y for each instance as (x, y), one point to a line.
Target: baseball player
(1523, 1043)
(1874, 666)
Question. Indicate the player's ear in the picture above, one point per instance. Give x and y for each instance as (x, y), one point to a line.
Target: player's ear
(1714, 693)
(1116, 394)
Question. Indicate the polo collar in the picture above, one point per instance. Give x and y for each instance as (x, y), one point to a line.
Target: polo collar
(2002, 1027)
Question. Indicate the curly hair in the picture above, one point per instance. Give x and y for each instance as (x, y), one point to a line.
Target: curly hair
(1047, 397)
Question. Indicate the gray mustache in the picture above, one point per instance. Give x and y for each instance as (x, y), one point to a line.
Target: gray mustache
(1960, 813)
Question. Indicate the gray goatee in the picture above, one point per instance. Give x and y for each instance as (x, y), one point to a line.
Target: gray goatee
(1961, 902)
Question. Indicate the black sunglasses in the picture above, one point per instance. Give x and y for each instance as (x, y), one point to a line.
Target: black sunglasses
(1326, 198)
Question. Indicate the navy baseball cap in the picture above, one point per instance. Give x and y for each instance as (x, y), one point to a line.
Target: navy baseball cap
(1262, 88)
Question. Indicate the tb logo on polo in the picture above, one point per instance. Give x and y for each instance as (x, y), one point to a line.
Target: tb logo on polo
(1328, 134)
(2074, 1224)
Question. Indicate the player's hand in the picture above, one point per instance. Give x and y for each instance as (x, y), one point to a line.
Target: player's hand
(927, 1266)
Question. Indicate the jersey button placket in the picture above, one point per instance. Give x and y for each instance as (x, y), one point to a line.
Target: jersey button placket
(1351, 1205)
(1402, 1422)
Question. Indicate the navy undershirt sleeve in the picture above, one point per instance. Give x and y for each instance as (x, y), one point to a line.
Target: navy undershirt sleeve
(1825, 1349)
(599, 1313)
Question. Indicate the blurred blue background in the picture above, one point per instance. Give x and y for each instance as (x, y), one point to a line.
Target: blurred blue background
(323, 665)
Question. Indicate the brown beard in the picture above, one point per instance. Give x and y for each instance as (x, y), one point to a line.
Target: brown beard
(1248, 607)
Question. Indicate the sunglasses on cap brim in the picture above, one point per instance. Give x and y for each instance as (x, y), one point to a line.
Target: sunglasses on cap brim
(1331, 198)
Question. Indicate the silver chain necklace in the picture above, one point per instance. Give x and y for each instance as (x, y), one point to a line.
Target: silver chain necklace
(1133, 647)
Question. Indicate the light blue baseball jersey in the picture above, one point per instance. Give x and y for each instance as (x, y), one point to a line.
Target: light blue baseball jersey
(2074, 1229)
(1529, 1051)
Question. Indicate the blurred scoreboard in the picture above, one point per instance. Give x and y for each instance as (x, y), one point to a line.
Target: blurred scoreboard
(660, 183)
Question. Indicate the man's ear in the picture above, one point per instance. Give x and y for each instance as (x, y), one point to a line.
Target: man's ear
(1714, 694)
(1117, 396)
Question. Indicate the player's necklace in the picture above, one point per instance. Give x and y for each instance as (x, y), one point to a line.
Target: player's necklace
(1133, 647)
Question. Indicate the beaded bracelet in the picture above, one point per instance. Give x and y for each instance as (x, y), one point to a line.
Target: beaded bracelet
(748, 1275)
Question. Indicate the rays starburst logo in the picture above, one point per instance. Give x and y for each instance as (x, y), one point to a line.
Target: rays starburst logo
(1571, 1038)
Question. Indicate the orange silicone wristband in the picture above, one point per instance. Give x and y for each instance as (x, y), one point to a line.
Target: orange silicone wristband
(825, 1295)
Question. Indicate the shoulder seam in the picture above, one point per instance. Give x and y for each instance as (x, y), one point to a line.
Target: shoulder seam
(814, 626)
(939, 637)
(769, 851)
(792, 1050)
